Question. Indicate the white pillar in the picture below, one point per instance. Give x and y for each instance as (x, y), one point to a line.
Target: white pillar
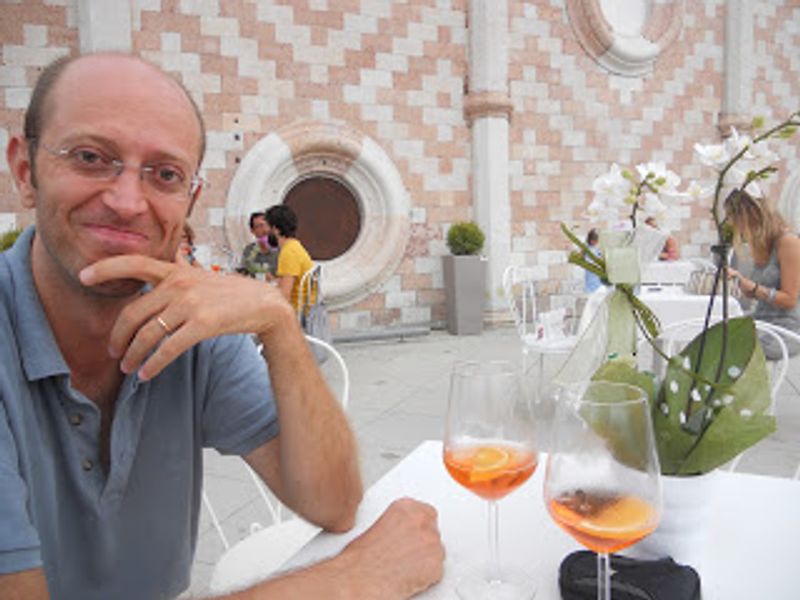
(104, 25)
(738, 67)
(488, 107)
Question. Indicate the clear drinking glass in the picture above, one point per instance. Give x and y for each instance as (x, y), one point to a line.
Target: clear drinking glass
(489, 449)
(602, 482)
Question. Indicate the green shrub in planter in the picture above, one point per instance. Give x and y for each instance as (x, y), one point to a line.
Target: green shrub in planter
(465, 238)
(8, 238)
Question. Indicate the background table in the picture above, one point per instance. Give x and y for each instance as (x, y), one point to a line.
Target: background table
(672, 304)
(668, 272)
(754, 534)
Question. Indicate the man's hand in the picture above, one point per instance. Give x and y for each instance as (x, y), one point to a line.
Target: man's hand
(399, 556)
(184, 307)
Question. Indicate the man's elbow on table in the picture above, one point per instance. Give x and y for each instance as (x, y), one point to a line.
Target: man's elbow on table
(341, 514)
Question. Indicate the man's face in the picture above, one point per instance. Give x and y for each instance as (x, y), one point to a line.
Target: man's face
(260, 227)
(141, 119)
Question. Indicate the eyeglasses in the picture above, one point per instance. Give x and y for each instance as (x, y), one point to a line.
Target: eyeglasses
(163, 179)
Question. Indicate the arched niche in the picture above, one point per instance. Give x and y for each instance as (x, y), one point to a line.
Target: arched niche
(626, 37)
(306, 149)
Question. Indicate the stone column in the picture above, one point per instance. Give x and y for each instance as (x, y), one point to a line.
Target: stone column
(488, 109)
(737, 93)
(104, 25)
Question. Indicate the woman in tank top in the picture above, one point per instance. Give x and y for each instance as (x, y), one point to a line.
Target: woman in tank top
(775, 280)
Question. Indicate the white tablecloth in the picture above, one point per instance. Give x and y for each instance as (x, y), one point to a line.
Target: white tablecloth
(754, 531)
(668, 272)
(669, 303)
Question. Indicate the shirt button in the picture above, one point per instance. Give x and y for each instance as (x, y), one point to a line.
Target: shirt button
(87, 465)
(76, 419)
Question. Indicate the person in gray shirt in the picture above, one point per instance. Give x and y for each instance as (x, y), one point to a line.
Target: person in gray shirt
(774, 279)
(118, 365)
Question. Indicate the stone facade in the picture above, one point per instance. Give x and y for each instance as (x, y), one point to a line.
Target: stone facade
(395, 74)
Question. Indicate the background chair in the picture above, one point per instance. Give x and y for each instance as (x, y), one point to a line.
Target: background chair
(310, 289)
(540, 332)
(267, 547)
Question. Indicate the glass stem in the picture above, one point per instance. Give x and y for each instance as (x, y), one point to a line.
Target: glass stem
(603, 577)
(494, 554)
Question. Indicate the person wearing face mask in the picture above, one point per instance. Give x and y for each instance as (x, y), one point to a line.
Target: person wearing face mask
(259, 258)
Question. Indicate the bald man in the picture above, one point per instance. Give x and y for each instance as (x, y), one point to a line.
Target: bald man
(119, 365)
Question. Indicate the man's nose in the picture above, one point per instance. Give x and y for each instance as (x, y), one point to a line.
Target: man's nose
(126, 193)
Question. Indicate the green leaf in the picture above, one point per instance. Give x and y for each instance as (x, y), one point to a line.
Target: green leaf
(728, 435)
(690, 445)
(625, 443)
(619, 371)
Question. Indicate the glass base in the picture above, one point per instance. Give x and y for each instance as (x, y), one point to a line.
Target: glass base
(505, 583)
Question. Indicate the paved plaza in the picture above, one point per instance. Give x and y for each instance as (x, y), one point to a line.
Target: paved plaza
(397, 399)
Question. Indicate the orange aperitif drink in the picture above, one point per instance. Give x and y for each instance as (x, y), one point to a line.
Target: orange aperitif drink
(603, 522)
(490, 470)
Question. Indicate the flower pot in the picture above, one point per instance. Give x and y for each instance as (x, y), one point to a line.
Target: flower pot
(688, 503)
(465, 290)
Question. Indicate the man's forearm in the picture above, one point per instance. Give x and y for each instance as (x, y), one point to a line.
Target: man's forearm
(318, 458)
(328, 579)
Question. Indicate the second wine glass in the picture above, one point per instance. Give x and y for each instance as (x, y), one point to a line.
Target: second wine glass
(489, 449)
(602, 481)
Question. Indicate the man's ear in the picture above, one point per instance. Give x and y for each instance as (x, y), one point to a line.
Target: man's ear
(19, 164)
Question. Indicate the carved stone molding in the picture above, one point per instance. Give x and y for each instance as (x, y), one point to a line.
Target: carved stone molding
(311, 148)
(620, 48)
(487, 104)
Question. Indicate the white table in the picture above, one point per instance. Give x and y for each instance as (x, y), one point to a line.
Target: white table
(671, 304)
(754, 536)
(668, 272)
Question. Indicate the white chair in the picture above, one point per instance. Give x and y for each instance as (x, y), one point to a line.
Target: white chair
(540, 333)
(261, 553)
(310, 282)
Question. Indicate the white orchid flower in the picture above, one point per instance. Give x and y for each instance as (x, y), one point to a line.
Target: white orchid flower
(735, 177)
(652, 205)
(713, 155)
(611, 187)
(695, 191)
(735, 143)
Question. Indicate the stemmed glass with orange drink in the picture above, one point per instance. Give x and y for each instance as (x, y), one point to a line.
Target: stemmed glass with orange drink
(489, 449)
(602, 480)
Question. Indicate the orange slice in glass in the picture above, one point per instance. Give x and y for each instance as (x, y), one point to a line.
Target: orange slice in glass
(487, 461)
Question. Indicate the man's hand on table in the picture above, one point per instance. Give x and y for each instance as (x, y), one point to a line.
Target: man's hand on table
(400, 555)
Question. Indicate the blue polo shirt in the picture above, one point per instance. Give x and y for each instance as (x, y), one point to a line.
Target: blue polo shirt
(129, 533)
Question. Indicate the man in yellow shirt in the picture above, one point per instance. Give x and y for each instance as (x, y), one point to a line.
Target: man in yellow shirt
(293, 260)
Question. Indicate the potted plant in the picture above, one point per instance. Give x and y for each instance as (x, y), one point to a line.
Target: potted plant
(8, 238)
(712, 401)
(465, 278)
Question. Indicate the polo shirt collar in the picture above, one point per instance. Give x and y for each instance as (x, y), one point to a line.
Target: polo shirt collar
(40, 354)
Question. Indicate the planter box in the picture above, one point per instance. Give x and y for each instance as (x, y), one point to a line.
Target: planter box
(465, 288)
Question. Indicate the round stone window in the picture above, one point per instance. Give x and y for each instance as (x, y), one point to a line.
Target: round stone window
(328, 216)
(352, 206)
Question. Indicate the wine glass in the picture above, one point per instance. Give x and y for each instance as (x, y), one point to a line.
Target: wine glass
(602, 482)
(489, 449)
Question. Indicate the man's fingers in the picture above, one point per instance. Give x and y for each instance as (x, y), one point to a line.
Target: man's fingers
(127, 266)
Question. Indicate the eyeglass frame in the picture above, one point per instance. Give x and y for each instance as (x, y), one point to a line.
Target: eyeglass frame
(196, 181)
